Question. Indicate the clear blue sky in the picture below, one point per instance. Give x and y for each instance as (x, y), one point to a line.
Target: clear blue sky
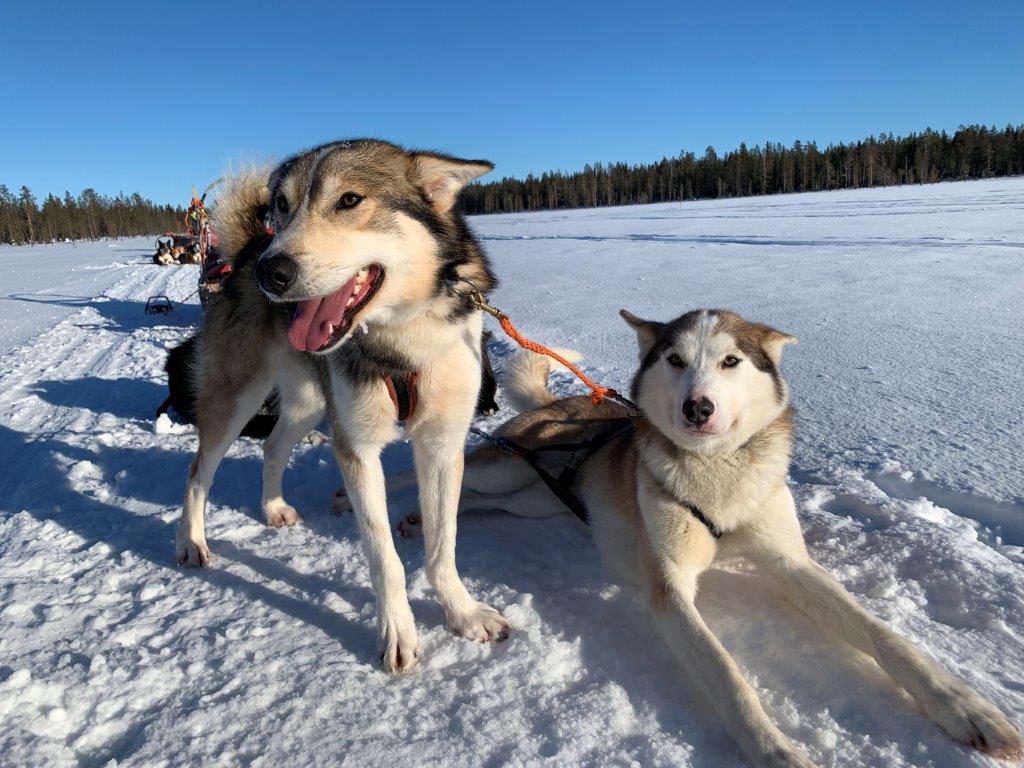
(155, 97)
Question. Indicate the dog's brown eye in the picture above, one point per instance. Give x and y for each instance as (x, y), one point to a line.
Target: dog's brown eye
(349, 200)
(675, 360)
(281, 203)
(731, 361)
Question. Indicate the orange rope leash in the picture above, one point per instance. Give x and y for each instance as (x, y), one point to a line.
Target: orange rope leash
(600, 393)
(477, 297)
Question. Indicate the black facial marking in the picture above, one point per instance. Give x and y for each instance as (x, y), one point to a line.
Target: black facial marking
(422, 211)
(667, 335)
(320, 170)
(759, 359)
(457, 248)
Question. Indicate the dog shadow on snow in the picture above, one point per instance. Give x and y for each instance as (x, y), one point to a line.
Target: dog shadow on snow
(551, 560)
(120, 397)
(120, 315)
(156, 475)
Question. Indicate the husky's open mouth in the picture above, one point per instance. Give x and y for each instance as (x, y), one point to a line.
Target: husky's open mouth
(320, 323)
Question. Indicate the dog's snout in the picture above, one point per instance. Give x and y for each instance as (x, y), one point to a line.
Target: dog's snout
(697, 412)
(277, 273)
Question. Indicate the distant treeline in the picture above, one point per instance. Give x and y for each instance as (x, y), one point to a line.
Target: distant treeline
(86, 217)
(973, 152)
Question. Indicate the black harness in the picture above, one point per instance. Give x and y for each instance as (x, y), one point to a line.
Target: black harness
(562, 484)
(714, 530)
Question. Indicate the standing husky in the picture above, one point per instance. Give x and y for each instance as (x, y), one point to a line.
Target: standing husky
(361, 319)
(701, 475)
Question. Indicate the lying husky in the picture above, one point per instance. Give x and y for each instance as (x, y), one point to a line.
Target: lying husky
(362, 320)
(701, 475)
(163, 256)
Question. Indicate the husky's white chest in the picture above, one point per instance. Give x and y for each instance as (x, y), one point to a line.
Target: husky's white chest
(729, 491)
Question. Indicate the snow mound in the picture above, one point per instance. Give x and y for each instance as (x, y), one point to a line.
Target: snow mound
(164, 426)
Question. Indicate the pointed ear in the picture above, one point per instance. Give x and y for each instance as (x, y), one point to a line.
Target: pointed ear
(442, 178)
(774, 341)
(647, 331)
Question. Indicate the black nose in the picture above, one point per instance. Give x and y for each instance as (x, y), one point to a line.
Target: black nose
(698, 411)
(276, 274)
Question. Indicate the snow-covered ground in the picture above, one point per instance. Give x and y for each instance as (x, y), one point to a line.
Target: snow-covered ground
(908, 379)
(42, 284)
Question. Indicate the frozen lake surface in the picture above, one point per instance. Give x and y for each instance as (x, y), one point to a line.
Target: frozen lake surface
(909, 382)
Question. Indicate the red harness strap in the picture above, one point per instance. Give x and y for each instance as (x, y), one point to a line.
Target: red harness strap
(402, 391)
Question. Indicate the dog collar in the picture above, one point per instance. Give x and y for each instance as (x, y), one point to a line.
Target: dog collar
(698, 514)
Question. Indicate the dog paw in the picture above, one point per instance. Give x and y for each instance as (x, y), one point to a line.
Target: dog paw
(192, 552)
(399, 648)
(340, 503)
(317, 438)
(789, 758)
(480, 622)
(765, 746)
(774, 750)
(280, 514)
(786, 757)
(409, 526)
(971, 720)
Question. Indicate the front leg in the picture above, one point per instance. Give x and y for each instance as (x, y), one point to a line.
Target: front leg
(301, 409)
(438, 452)
(364, 480)
(711, 668)
(674, 550)
(223, 409)
(949, 702)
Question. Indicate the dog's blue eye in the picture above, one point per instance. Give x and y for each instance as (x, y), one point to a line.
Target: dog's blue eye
(349, 200)
(675, 360)
(731, 361)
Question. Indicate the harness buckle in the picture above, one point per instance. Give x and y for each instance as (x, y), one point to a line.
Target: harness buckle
(494, 312)
(503, 444)
(475, 295)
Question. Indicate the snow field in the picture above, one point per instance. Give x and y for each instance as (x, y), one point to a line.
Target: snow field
(907, 475)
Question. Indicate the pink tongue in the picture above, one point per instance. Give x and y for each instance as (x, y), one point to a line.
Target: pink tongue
(310, 326)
